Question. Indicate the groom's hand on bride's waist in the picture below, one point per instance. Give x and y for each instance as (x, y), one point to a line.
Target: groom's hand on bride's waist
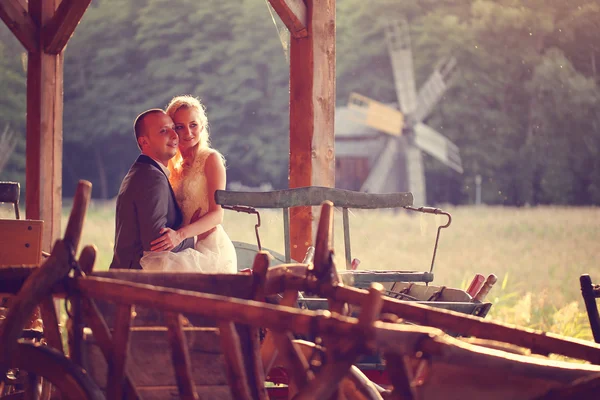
(167, 241)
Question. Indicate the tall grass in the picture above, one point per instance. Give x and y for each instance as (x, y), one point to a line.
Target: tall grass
(537, 253)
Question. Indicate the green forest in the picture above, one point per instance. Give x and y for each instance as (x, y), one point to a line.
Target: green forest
(524, 108)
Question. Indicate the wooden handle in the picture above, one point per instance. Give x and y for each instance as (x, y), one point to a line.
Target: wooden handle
(476, 285)
(485, 289)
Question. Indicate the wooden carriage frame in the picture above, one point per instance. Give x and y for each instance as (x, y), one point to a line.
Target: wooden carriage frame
(345, 338)
(45, 26)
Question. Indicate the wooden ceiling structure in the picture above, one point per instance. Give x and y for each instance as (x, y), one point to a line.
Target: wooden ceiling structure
(45, 26)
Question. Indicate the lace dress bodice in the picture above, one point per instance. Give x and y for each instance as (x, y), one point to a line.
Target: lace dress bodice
(189, 185)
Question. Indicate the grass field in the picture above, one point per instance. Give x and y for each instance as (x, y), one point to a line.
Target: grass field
(537, 253)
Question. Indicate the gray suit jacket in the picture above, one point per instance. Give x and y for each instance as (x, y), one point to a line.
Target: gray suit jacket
(145, 205)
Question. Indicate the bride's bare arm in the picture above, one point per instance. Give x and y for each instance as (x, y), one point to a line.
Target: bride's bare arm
(216, 179)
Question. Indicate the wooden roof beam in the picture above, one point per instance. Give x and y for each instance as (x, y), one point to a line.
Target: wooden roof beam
(58, 30)
(293, 15)
(15, 15)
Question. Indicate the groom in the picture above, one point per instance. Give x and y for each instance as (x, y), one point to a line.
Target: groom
(146, 203)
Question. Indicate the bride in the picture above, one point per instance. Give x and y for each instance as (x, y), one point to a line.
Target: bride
(196, 172)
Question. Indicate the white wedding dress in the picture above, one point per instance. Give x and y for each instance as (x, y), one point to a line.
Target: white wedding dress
(214, 254)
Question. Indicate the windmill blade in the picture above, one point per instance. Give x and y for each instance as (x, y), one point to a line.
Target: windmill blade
(378, 176)
(376, 115)
(433, 90)
(397, 37)
(437, 145)
(415, 173)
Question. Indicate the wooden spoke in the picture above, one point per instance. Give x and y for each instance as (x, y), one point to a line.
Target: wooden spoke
(116, 367)
(105, 341)
(181, 357)
(18, 20)
(236, 372)
(401, 377)
(54, 368)
(51, 325)
(58, 30)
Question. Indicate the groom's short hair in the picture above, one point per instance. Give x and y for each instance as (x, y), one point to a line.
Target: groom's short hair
(138, 125)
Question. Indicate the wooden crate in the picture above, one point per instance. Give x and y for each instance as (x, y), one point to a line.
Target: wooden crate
(20, 242)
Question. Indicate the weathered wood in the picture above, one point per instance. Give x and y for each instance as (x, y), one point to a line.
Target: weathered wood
(313, 196)
(584, 388)
(401, 377)
(181, 357)
(153, 368)
(236, 374)
(312, 106)
(44, 131)
(238, 285)
(87, 258)
(171, 393)
(51, 325)
(343, 351)
(21, 242)
(81, 201)
(33, 291)
(466, 325)
(58, 30)
(15, 16)
(120, 339)
(293, 15)
(103, 337)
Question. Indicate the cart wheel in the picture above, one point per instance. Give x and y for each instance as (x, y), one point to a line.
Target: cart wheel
(41, 372)
(354, 386)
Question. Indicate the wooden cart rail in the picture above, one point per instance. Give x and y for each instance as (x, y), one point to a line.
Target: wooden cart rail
(420, 360)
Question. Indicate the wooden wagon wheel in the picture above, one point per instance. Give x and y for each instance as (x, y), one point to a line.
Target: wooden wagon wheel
(354, 386)
(37, 290)
(42, 369)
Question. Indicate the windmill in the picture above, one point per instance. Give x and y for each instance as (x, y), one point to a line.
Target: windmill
(381, 145)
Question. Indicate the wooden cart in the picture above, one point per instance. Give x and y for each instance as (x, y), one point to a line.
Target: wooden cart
(217, 354)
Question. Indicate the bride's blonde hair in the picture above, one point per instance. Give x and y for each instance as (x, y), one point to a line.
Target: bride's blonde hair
(190, 102)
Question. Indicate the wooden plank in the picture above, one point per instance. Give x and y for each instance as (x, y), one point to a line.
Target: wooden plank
(15, 16)
(148, 368)
(236, 373)
(181, 357)
(312, 106)
(43, 197)
(103, 337)
(293, 15)
(57, 32)
(116, 366)
(313, 196)
(21, 242)
(239, 286)
(253, 313)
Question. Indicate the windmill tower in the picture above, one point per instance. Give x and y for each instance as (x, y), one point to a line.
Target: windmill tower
(392, 140)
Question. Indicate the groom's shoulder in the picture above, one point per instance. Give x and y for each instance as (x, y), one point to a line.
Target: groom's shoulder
(142, 176)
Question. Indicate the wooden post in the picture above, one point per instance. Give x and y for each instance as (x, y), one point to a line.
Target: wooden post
(44, 130)
(312, 106)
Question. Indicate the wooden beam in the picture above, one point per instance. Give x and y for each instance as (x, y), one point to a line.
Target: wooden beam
(293, 15)
(44, 131)
(58, 30)
(312, 106)
(15, 16)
